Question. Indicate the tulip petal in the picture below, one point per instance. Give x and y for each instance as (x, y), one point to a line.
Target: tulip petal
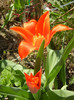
(46, 26)
(58, 28)
(26, 76)
(34, 82)
(27, 35)
(39, 27)
(38, 42)
(38, 74)
(31, 85)
(30, 25)
(24, 49)
(46, 30)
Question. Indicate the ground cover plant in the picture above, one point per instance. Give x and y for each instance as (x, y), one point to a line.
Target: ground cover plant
(47, 34)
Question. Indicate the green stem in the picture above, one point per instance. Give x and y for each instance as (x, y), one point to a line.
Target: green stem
(45, 85)
(35, 96)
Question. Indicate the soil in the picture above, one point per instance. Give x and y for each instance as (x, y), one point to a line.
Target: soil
(9, 47)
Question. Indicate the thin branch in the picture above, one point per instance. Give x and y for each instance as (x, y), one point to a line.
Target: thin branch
(64, 21)
(62, 15)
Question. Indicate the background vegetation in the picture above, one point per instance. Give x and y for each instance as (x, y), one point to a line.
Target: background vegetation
(16, 12)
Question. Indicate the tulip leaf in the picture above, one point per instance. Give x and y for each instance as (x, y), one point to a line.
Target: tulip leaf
(39, 58)
(53, 57)
(63, 72)
(54, 72)
(57, 95)
(59, 63)
(68, 49)
(15, 92)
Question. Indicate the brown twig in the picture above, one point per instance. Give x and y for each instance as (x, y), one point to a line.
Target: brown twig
(64, 21)
(62, 15)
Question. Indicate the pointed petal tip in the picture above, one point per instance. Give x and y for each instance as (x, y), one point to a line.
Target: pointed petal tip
(47, 12)
(22, 57)
(58, 28)
(41, 69)
(40, 24)
(24, 73)
(64, 27)
(71, 28)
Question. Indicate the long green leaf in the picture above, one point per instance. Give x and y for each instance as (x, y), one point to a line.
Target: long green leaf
(39, 58)
(57, 95)
(53, 57)
(68, 49)
(15, 92)
(54, 72)
(60, 63)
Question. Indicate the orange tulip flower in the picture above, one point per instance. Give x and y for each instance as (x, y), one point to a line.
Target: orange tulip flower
(34, 32)
(34, 82)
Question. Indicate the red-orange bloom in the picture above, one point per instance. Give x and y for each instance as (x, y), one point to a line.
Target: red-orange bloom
(34, 82)
(34, 32)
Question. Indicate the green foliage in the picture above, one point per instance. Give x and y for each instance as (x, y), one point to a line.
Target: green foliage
(58, 3)
(12, 74)
(15, 92)
(19, 5)
(16, 7)
(57, 62)
(6, 77)
(53, 58)
(39, 58)
(71, 80)
(9, 15)
(5, 63)
(55, 3)
(27, 2)
(68, 49)
(12, 80)
(57, 95)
